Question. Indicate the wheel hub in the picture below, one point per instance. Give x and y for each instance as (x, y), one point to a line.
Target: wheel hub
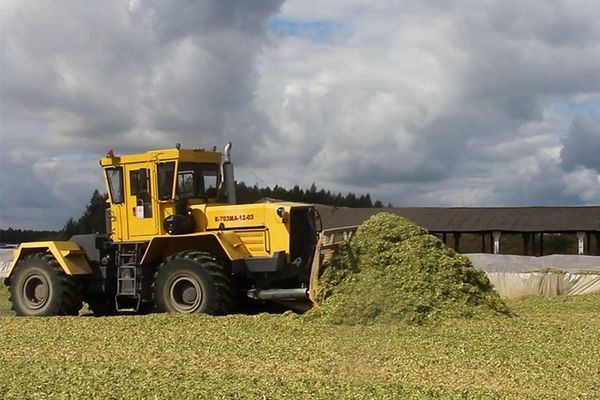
(36, 291)
(189, 294)
(185, 294)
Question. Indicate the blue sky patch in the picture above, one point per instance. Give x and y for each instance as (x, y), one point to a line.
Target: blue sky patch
(313, 30)
(580, 109)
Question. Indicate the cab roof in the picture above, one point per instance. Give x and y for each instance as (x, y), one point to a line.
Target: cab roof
(172, 154)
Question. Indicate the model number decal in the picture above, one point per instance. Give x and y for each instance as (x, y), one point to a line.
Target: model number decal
(234, 218)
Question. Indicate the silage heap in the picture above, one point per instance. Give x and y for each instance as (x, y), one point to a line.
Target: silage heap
(392, 270)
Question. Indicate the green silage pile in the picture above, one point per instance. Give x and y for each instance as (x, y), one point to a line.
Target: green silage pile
(392, 270)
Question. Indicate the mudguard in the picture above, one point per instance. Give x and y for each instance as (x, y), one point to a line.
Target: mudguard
(225, 244)
(69, 255)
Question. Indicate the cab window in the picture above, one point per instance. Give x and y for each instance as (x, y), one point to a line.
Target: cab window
(197, 180)
(139, 186)
(166, 173)
(114, 177)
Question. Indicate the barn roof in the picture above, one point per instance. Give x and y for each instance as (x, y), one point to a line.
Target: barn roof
(476, 219)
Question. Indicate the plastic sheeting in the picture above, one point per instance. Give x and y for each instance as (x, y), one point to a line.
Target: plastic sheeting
(510, 263)
(6, 256)
(518, 276)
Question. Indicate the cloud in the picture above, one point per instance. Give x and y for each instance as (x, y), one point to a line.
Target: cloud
(418, 102)
(409, 100)
(581, 146)
(83, 77)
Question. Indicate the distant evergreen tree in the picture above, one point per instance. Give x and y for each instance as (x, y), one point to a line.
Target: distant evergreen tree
(312, 195)
(70, 228)
(15, 236)
(350, 200)
(364, 201)
(93, 219)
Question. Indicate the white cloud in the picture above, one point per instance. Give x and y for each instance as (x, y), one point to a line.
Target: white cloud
(431, 103)
(417, 102)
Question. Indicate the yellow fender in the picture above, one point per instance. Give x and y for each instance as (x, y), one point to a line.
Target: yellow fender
(68, 254)
(225, 244)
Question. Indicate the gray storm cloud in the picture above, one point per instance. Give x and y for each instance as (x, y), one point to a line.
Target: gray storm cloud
(418, 103)
(410, 102)
(83, 77)
(581, 146)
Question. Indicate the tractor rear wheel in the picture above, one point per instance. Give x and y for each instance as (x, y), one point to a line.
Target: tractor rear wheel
(39, 287)
(193, 282)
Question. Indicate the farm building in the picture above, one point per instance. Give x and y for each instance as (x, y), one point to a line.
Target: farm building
(534, 226)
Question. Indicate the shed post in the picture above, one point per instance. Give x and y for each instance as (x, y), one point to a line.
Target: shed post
(588, 243)
(483, 242)
(457, 241)
(526, 243)
(580, 243)
(496, 235)
(541, 243)
(444, 238)
(597, 235)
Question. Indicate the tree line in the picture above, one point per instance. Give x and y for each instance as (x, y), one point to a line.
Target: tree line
(312, 195)
(93, 218)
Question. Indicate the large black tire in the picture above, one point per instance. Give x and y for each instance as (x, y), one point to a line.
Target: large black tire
(193, 282)
(39, 287)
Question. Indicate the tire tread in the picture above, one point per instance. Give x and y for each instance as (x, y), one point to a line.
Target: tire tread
(70, 289)
(223, 303)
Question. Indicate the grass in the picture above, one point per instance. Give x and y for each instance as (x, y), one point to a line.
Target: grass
(549, 351)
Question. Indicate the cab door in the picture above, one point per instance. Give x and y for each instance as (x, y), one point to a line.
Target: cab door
(141, 207)
(117, 212)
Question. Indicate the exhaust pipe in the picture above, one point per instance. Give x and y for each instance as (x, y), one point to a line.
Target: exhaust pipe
(228, 177)
(278, 294)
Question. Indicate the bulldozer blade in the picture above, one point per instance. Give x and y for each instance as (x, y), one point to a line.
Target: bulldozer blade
(315, 269)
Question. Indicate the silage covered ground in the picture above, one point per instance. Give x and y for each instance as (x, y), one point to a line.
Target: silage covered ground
(549, 350)
(402, 316)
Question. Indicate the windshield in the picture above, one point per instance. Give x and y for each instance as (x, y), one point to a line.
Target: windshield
(197, 180)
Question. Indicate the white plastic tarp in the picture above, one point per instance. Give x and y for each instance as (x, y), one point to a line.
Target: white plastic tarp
(6, 256)
(517, 276)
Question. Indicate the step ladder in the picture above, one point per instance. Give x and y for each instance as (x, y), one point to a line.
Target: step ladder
(128, 297)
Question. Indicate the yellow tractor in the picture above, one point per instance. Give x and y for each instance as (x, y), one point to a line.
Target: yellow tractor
(172, 245)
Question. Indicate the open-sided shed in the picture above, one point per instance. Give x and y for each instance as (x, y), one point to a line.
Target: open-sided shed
(533, 223)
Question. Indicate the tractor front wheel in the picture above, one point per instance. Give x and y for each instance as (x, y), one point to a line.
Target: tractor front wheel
(193, 282)
(39, 287)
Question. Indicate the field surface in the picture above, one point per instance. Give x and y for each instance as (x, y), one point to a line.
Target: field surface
(551, 350)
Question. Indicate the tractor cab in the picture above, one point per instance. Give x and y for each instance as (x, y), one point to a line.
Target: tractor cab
(149, 193)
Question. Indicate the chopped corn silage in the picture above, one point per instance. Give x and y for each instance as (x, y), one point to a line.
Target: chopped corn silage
(392, 270)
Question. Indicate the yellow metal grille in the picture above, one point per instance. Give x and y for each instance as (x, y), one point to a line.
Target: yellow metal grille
(255, 241)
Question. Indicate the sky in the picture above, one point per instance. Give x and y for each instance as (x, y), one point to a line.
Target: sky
(417, 102)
